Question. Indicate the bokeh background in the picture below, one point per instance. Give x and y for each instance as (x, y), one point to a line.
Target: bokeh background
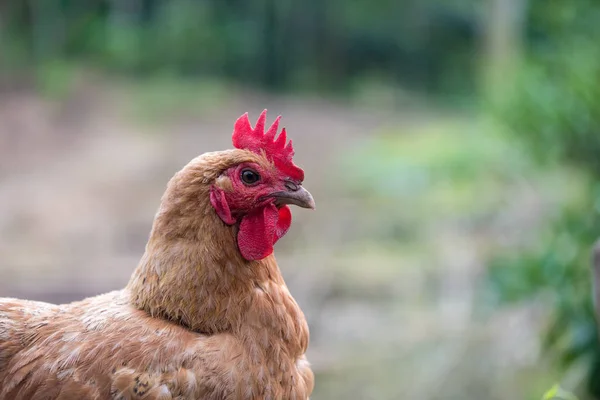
(453, 148)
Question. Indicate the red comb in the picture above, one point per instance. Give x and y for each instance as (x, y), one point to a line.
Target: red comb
(257, 140)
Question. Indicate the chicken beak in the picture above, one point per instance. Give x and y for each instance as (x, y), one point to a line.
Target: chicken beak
(297, 196)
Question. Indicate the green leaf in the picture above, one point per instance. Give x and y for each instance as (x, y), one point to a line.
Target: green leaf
(556, 393)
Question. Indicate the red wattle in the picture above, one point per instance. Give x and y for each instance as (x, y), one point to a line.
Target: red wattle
(283, 223)
(260, 229)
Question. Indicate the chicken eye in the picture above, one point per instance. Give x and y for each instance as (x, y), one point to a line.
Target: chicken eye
(250, 177)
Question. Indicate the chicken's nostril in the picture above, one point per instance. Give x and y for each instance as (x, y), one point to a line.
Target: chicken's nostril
(291, 186)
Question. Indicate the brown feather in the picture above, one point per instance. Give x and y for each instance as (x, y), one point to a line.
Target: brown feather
(196, 321)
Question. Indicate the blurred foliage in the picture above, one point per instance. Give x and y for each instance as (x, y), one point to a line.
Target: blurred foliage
(553, 108)
(556, 393)
(438, 185)
(275, 44)
(164, 96)
(557, 268)
(433, 171)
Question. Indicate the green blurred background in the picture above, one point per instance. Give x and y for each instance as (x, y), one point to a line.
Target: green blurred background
(452, 148)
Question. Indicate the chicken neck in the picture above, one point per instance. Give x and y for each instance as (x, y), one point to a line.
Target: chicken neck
(193, 274)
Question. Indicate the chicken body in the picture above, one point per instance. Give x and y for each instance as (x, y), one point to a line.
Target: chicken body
(200, 319)
(100, 348)
(103, 348)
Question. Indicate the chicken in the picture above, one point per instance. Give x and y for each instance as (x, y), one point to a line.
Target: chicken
(206, 313)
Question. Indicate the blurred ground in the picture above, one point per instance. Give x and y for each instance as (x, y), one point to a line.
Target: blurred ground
(387, 268)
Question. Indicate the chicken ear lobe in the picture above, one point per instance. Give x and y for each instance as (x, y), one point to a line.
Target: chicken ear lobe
(219, 203)
(260, 229)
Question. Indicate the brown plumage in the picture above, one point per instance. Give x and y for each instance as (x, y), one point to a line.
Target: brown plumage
(197, 320)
